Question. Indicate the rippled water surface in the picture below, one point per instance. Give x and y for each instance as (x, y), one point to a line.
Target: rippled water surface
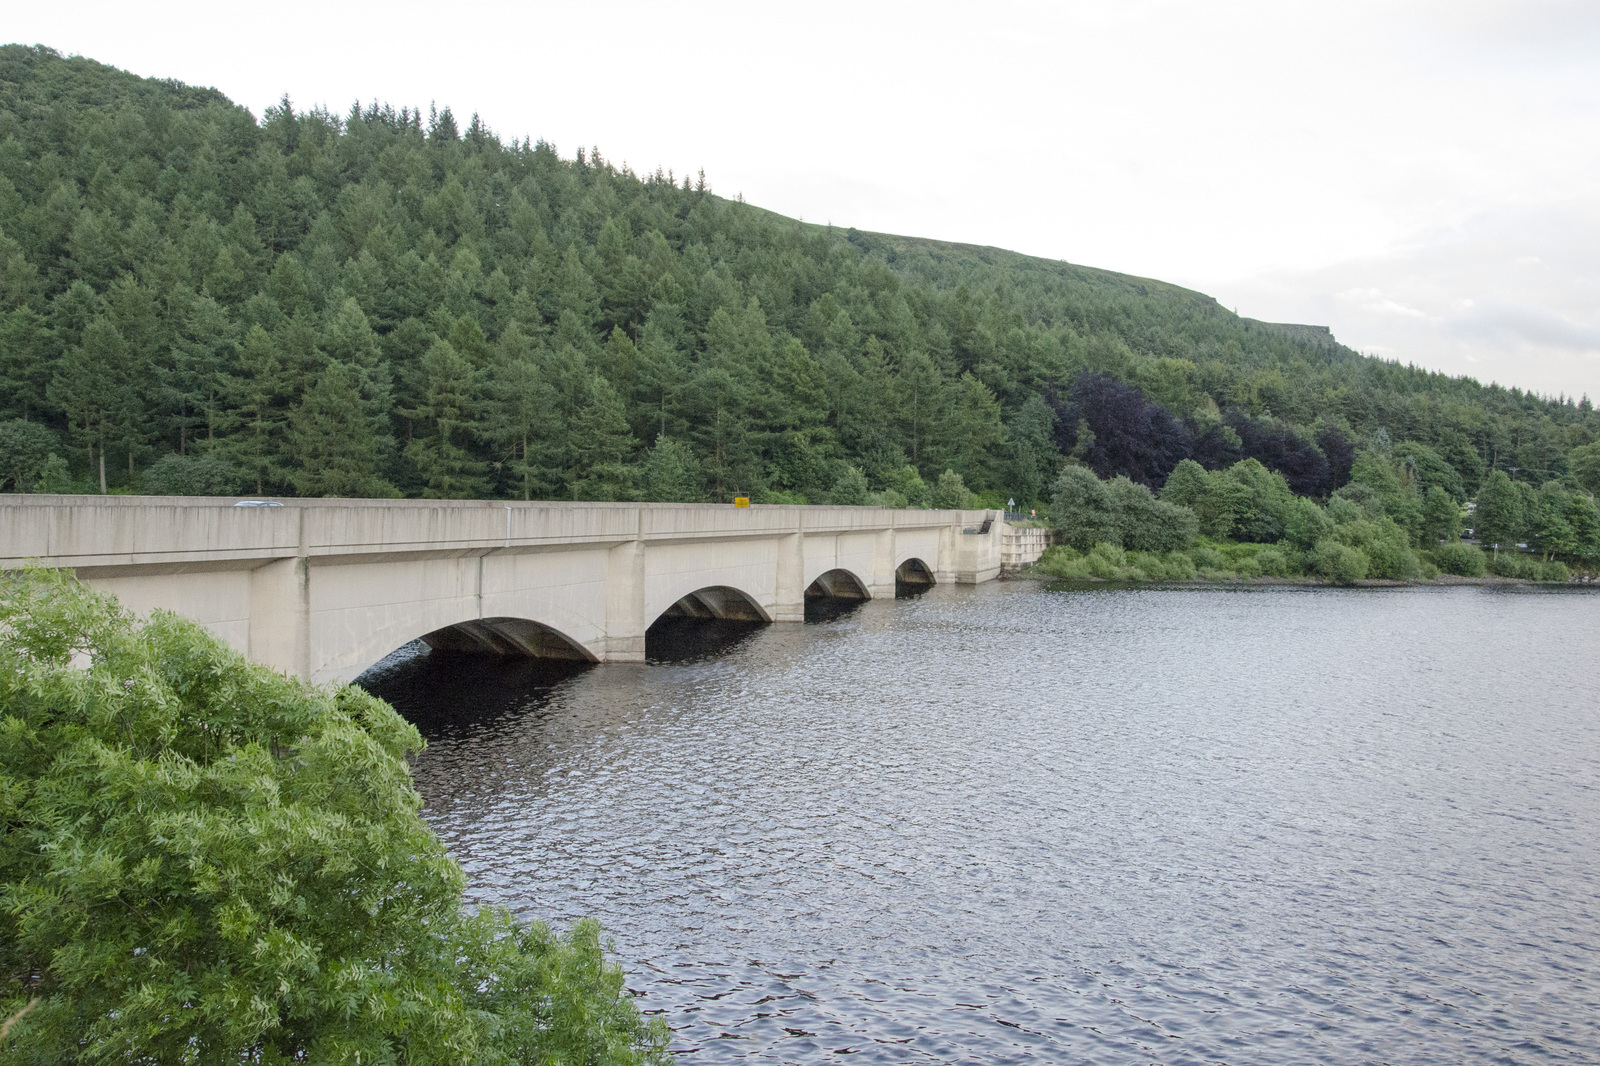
(1011, 824)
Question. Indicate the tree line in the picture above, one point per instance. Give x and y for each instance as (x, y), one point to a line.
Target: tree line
(1400, 516)
(394, 303)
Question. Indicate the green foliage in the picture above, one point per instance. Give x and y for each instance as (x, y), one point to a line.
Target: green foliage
(1122, 513)
(671, 473)
(1140, 522)
(1463, 560)
(950, 492)
(1186, 485)
(1080, 507)
(1305, 523)
(1501, 518)
(1395, 488)
(441, 447)
(1104, 562)
(206, 861)
(1245, 502)
(173, 271)
(1527, 567)
(1428, 470)
(1339, 563)
(851, 489)
(907, 484)
(190, 475)
(54, 476)
(1584, 462)
(24, 449)
(1441, 517)
(332, 441)
(1384, 545)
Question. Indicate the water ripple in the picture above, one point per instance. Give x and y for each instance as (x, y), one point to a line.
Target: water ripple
(1019, 825)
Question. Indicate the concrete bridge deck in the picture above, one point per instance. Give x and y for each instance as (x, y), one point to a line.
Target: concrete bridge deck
(325, 588)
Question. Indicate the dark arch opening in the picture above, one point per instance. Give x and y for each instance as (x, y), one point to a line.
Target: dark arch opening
(469, 675)
(839, 584)
(834, 594)
(702, 625)
(505, 636)
(912, 578)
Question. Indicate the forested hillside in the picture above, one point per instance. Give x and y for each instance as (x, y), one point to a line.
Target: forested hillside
(392, 302)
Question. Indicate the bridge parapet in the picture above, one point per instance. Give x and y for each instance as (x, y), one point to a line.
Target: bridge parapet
(323, 588)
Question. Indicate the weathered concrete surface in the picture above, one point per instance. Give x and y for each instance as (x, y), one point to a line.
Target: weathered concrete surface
(325, 588)
(1021, 546)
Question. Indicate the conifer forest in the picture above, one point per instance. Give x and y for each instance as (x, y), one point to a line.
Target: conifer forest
(400, 302)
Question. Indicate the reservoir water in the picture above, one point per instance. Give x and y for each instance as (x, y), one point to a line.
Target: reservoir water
(1017, 824)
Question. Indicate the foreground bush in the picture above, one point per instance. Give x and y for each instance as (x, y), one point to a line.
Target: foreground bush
(204, 861)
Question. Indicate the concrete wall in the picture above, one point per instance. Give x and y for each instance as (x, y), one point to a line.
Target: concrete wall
(1021, 546)
(325, 588)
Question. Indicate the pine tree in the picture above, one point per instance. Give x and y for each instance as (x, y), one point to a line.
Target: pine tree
(601, 446)
(663, 377)
(192, 385)
(26, 363)
(257, 393)
(1441, 518)
(441, 449)
(918, 388)
(348, 338)
(518, 414)
(672, 473)
(91, 386)
(972, 433)
(332, 442)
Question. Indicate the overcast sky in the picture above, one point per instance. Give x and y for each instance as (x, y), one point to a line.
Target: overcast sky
(1421, 175)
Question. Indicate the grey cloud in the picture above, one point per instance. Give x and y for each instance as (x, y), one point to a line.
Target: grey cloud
(1511, 295)
(1516, 324)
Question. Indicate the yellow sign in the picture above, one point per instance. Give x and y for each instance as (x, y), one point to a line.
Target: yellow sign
(741, 501)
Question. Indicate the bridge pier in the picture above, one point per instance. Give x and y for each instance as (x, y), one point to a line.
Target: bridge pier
(280, 616)
(322, 589)
(625, 614)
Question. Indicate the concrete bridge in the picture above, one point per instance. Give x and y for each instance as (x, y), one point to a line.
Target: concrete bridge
(325, 588)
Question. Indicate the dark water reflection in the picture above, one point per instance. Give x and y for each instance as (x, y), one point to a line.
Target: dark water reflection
(1009, 824)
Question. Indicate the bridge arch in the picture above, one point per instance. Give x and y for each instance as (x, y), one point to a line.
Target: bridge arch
(914, 572)
(508, 636)
(722, 602)
(840, 584)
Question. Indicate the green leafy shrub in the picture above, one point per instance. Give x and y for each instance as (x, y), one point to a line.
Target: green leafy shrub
(24, 449)
(850, 488)
(1385, 545)
(190, 475)
(1080, 506)
(1527, 567)
(1463, 560)
(1163, 566)
(950, 492)
(1340, 563)
(205, 861)
(1119, 512)
(1275, 563)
